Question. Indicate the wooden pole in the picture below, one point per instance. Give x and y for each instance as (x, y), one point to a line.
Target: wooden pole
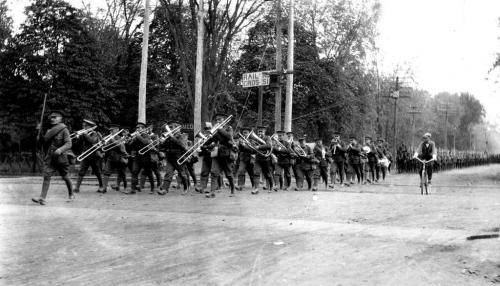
(289, 76)
(277, 92)
(144, 67)
(198, 88)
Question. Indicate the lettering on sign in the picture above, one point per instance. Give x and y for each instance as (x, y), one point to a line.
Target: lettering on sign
(255, 79)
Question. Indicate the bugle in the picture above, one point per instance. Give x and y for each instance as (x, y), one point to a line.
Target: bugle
(81, 132)
(164, 136)
(203, 139)
(98, 145)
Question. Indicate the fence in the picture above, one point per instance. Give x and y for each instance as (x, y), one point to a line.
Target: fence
(14, 163)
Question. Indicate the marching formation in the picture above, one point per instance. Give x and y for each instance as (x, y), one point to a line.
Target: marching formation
(220, 151)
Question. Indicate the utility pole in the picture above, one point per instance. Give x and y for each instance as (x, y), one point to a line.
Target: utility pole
(289, 75)
(198, 87)
(144, 67)
(259, 108)
(395, 95)
(413, 111)
(447, 112)
(277, 92)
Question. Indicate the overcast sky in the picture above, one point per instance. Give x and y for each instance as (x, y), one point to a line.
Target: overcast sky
(449, 44)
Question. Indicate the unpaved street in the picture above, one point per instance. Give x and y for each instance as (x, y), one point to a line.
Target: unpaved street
(386, 234)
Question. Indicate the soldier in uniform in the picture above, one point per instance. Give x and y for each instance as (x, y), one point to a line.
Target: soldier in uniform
(141, 162)
(372, 159)
(284, 164)
(155, 165)
(117, 159)
(221, 156)
(338, 152)
(382, 159)
(174, 148)
(262, 161)
(56, 144)
(305, 165)
(94, 160)
(293, 155)
(246, 158)
(322, 156)
(354, 154)
(206, 161)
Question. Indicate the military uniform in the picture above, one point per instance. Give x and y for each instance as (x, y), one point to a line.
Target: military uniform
(86, 141)
(306, 164)
(338, 154)
(322, 156)
(283, 165)
(174, 148)
(56, 144)
(222, 160)
(372, 160)
(116, 160)
(354, 158)
(246, 159)
(141, 162)
(263, 162)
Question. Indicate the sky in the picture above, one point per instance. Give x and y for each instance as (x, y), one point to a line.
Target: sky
(450, 45)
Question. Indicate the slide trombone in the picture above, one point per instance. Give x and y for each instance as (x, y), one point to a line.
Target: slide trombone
(164, 136)
(125, 139)
(81, 132)
(98, 146)
(203, 139)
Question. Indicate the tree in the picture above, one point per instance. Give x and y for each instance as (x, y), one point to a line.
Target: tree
(5, 24)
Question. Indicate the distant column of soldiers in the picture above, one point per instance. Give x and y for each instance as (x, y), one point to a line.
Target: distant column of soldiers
(446, 160)
(268, 161)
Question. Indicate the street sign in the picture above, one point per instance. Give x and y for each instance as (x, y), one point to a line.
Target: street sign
(255, 79)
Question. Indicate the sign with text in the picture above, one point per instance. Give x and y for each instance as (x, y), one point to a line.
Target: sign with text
(255, 79)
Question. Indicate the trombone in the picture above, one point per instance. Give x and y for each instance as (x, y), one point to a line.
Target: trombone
(203, 139)
(124, 140)
(164, 136)
(81, 132)
(98, 146)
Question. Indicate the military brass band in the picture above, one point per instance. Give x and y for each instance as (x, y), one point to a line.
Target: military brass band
(220, 151)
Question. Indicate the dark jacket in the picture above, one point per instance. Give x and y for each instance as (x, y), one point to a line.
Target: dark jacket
(56, 138)
(338, 151)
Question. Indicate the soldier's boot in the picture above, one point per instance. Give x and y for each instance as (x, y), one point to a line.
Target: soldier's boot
(69, 186)
(315, 184)
(105, 182)
(231, 185)
(43, 194)
(78, 183)
(99, 180)
(164, 188)
(256, 182)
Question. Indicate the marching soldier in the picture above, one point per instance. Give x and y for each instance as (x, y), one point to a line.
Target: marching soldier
(293, 155)
(117, 159)
(206, 161)
(354, 154)
(262, 161)
(372, 159)
(305, 165)
(246, 158)
(284, 164)
(141, 162)
(56, 144)
(338, 152)
(321, 155)
(382, 162)
(221, 156)
(173, 147)
(87, 140)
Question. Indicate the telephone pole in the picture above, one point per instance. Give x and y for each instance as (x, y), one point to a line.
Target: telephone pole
(277, 92)
(413, 111)
(447, 112)
(144, 67)
(396, 95)
(198, 87)
(289, 75)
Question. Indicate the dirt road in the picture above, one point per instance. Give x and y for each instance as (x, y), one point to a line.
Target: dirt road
(386, 234)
